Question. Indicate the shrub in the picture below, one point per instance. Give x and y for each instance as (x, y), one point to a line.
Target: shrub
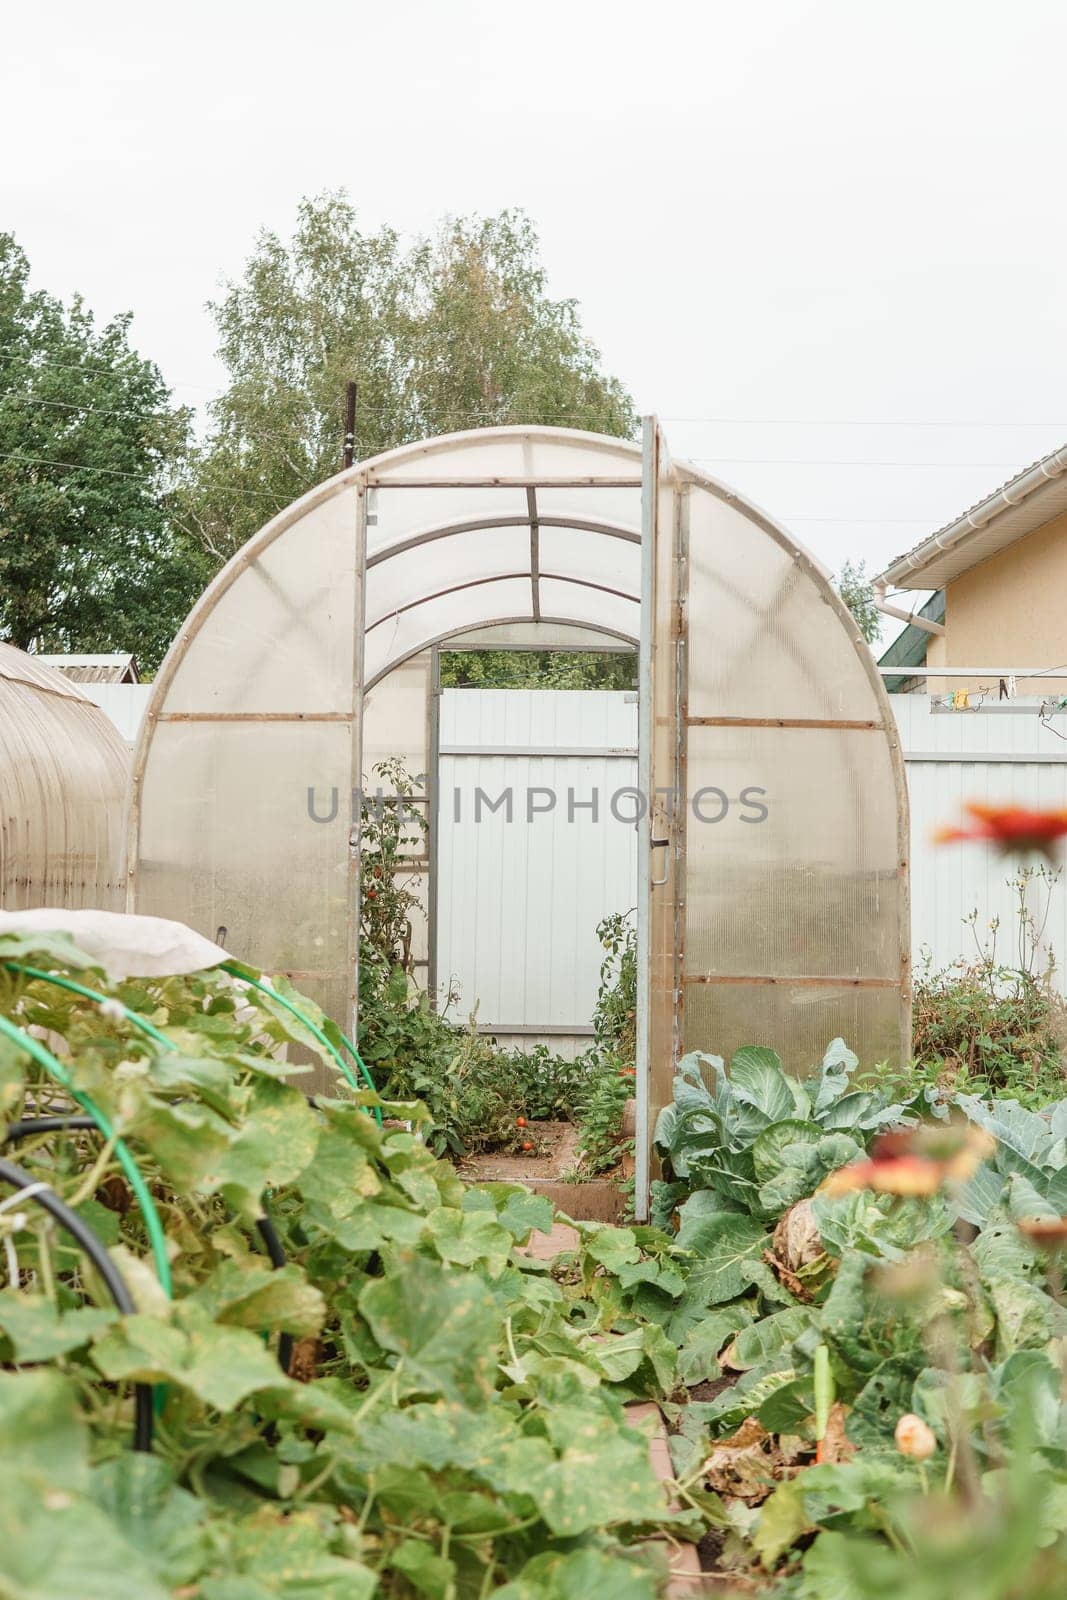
(990, 1026)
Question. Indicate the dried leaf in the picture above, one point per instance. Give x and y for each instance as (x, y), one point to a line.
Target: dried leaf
(744, 1466)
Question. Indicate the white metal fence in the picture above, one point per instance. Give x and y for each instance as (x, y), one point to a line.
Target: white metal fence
(999, 755)
(124, 703)
(521, 888)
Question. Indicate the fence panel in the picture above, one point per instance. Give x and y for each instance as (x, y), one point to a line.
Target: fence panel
(1000, 756)
(526, 867)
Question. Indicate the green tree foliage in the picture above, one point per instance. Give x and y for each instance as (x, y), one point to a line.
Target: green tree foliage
(857, 591)
(539, 669)
(89, 443)
(454, 331)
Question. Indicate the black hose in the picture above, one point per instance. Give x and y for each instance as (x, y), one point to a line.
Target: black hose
(273, 1246)
(90, 1244)
(29, 1127)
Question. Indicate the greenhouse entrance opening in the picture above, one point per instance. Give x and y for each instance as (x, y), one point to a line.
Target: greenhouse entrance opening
(532, 828)
(770, 806)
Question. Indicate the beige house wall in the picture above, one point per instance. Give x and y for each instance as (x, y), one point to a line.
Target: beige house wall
(1010, 611)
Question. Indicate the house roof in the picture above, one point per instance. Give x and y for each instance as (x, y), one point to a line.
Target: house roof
(94, 668)
(909, 647)
(1027, 501)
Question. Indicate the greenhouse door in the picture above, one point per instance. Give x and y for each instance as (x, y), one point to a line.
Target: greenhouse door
(660, 907)
(773, 894)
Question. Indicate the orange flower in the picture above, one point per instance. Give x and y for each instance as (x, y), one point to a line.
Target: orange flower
(903, 1175)
(1014, 830)
(915, 1161)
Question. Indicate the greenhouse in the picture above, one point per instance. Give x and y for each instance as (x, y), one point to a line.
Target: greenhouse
(63, 771)
(773, 898)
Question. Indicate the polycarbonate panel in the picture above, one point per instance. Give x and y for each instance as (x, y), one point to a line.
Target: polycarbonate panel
(396, 717)
(280, 637)
(798, 1022)
(63, 771)
(244, 836)
(794, 837)
(772, 642)
(620, 508)
(412, 575)
(395, 515)
(791, 839)
(584, 604)
(512, 453)
(596, 557)
(396, 637)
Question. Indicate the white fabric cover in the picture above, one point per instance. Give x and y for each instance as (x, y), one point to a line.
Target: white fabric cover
(125, 946)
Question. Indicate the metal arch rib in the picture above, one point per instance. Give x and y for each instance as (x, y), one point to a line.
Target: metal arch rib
(438, 639)
(611, 530)
(497, 577)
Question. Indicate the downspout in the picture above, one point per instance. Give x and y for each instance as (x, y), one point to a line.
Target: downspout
(912, 617)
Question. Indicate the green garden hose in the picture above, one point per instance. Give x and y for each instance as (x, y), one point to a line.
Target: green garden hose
(235, 970)
(99, 1120)
(132, 1017)
(55, 1069)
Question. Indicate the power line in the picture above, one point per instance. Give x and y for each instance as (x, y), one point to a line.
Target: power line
(774, 422)
(116, 472)
(853, 461)
(253, 494)
(95, 411)
(863, 422)
(751, 461)
(36, 361)
(925, 522)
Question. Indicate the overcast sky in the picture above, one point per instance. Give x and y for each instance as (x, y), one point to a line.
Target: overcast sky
(824, 239)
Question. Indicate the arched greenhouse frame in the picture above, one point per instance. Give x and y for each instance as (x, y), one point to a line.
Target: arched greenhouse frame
(773, 892)
(63, 776)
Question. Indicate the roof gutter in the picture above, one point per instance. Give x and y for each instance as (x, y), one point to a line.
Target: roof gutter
(1012, 494)
(912, 617)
